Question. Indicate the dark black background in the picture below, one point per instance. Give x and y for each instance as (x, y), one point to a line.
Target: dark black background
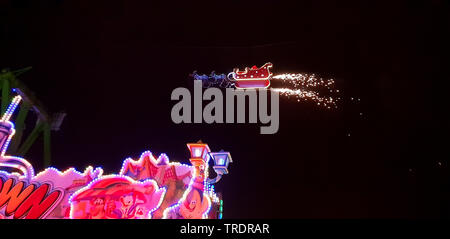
(112, 65)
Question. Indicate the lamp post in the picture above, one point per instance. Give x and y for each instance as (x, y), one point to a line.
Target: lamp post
(199, 157)
(200, 154)
(221, 161)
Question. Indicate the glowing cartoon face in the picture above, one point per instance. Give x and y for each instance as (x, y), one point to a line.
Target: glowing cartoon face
(99, 202)
(127, 200)
(192, 204)
(194, 207)
(121, 195)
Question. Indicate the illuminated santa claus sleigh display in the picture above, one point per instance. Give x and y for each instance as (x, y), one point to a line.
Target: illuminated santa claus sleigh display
(145, 188)
(250, 78)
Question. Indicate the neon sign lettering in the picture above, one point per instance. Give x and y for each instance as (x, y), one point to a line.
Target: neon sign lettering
(29, 202)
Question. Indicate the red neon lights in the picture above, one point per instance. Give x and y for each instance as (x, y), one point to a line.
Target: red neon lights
(27, 201)
(145, 188)
(117, 197)
(253, 77)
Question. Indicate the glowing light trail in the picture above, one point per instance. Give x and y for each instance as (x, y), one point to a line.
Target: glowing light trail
(307, 87)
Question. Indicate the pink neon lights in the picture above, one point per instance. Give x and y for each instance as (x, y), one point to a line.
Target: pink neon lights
(144, 188)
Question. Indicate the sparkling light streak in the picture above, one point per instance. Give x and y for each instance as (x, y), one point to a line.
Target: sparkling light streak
(308, 95)
(308, 87)
(305, 80)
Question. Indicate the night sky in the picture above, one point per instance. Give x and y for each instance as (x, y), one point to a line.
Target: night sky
(112, 65)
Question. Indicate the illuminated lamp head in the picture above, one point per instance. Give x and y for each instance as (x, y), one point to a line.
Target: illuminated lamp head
(221, 161)
(199, 150)
(199, 156)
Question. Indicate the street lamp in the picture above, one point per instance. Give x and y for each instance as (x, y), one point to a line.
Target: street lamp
(200, 154)
(221, 161)
(199, 157)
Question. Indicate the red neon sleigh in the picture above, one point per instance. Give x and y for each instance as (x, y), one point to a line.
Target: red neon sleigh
(252, 77)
